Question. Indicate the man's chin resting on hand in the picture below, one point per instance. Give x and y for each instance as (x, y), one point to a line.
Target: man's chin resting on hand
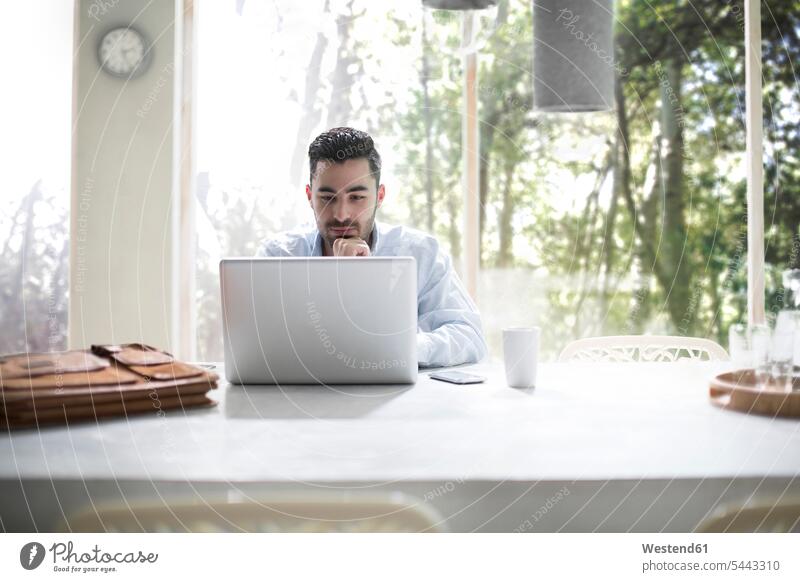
(345, 193)
(350, 247)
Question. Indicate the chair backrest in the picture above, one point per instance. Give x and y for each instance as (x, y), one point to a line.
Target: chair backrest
(642, 348)
(274, 513)
(780, 517)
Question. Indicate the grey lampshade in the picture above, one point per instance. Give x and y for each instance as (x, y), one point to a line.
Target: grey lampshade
(459, 4)
(573, 55)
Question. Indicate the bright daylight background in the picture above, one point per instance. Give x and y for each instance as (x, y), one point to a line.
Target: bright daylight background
(624, 222)
(35, 112)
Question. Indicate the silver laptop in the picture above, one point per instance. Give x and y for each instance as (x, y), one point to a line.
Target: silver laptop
(320, 320)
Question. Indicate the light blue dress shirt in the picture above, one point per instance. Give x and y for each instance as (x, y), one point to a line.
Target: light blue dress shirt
(449, 325)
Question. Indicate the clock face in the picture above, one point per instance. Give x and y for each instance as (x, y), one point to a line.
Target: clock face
(123, 52)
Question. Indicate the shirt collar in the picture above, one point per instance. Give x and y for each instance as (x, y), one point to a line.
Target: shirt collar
(316, 248)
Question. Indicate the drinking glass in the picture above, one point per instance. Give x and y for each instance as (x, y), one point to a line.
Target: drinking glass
(781, 357)
(749, 346)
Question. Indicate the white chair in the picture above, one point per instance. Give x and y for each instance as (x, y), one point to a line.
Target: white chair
(642, 348)
(334, 512)
(782, 517)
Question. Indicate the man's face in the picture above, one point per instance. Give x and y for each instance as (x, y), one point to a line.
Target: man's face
(345, 198)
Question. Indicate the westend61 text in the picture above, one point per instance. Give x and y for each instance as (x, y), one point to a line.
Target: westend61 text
(670, 549)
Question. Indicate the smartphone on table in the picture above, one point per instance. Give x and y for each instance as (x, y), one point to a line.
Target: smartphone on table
(456, 377)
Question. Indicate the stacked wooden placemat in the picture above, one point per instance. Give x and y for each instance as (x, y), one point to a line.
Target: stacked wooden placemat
(103, 382)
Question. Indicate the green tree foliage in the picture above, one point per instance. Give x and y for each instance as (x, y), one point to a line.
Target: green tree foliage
(633, 221)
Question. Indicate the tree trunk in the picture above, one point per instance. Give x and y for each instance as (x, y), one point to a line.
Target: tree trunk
(610, 226)
(488, 126)
(623, 178)
(343, 80)
(428, 129)
(505, 255)
(24, 264)
(644, 254)
(311, 113)
(673, 268)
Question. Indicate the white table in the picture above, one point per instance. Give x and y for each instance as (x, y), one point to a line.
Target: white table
(638, 446)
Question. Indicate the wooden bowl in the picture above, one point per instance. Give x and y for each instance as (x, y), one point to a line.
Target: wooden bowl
(739, 390)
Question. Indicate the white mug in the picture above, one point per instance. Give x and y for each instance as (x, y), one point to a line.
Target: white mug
(521, 352)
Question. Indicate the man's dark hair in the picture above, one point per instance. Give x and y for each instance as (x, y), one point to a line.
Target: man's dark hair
(344, 143)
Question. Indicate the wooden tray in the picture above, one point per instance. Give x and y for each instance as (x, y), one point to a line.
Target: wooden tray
(738, 391)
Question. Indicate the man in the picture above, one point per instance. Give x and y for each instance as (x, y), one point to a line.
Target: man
(345, 192)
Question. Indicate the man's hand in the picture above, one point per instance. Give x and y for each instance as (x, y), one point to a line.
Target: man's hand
(350, 247)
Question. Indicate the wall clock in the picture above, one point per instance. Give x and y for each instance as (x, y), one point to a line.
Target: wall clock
(124, 52)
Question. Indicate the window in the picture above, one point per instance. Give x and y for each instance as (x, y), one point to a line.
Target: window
(591, 224)
(298, 71)
(35, 113)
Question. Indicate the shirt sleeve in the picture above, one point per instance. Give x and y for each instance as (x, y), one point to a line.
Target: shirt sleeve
(450, 331)
(265, 249)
